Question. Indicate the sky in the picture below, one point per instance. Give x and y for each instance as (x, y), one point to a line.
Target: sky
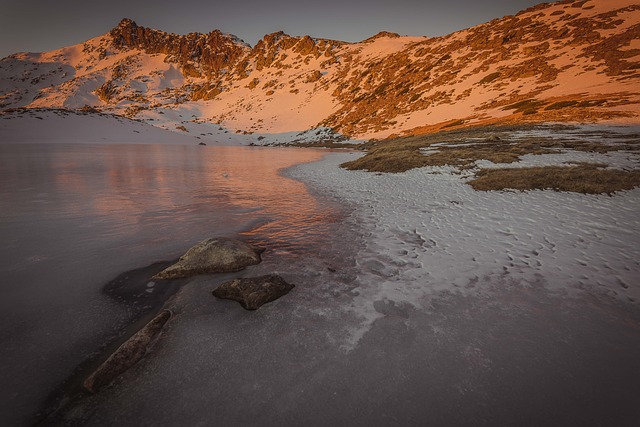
(37, 25)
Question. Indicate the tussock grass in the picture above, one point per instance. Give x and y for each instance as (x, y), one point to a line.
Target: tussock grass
(490, 143)
(402, 154)
(389, 160)
(496, 152)
(585, 178)
(396, 160)
(462, 148)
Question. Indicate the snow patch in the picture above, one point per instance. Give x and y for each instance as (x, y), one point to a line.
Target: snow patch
(427, 233)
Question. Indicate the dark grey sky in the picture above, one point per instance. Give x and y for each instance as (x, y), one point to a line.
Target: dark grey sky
(37, 25)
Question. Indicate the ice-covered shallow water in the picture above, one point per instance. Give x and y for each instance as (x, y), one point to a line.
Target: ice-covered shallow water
(440, 316)
(524, 359)
(428, 304)
(73, 217)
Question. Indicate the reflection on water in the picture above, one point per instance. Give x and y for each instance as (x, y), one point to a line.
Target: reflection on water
(290, 217)
(155, 194)
(72, 217)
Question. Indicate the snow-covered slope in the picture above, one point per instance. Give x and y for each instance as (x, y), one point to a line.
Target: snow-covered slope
(564, 61)
(64, 126)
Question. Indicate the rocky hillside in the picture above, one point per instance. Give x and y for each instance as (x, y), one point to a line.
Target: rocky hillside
(564, 61)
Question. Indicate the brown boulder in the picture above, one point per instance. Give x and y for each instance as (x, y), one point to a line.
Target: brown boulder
(251, 293)
(217, 255)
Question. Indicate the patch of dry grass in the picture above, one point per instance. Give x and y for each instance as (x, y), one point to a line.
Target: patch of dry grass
(466, 156)
(402, 154)
(463, 147)
(389, 160)
(397, 159)
(585, 178)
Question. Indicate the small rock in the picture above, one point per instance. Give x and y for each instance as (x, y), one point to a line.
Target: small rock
(218, 255)
(251, 293)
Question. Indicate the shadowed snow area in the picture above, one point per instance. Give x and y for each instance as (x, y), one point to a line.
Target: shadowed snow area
(434, 304)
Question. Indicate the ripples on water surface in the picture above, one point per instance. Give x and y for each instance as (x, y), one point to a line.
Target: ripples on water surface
(74, 216)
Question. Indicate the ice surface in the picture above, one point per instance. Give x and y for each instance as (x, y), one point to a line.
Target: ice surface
(73, 217)
(433, 305)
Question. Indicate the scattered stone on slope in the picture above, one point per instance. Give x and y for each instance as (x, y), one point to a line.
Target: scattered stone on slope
(128, 354)
(252, 293)
(217, 255)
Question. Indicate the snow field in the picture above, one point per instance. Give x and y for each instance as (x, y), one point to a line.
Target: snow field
(427, 233)
(38, 126)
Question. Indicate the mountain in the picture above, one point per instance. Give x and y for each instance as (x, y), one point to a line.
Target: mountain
(564, 61)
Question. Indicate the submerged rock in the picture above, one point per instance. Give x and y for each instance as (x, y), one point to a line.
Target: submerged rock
(217, 255)
(251, 293)
(128, 354)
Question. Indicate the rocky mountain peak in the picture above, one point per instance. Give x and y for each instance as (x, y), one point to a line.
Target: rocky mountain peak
(383, 34)
(127, 22)
(274, 38)
(197, 54)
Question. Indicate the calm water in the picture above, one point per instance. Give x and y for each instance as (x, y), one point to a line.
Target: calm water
(72, 217)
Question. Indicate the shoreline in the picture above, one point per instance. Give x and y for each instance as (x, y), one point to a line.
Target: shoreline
(130, 289)
(104, 210)
(424, 250)
(428, 225)
(502, 347)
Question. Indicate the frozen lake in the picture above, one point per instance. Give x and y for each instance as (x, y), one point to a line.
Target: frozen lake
(412, 306)
(73, 217)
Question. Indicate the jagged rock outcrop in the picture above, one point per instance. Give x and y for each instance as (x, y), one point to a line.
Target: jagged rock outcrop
(274, 48)
(199, 55)
(382, 34)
